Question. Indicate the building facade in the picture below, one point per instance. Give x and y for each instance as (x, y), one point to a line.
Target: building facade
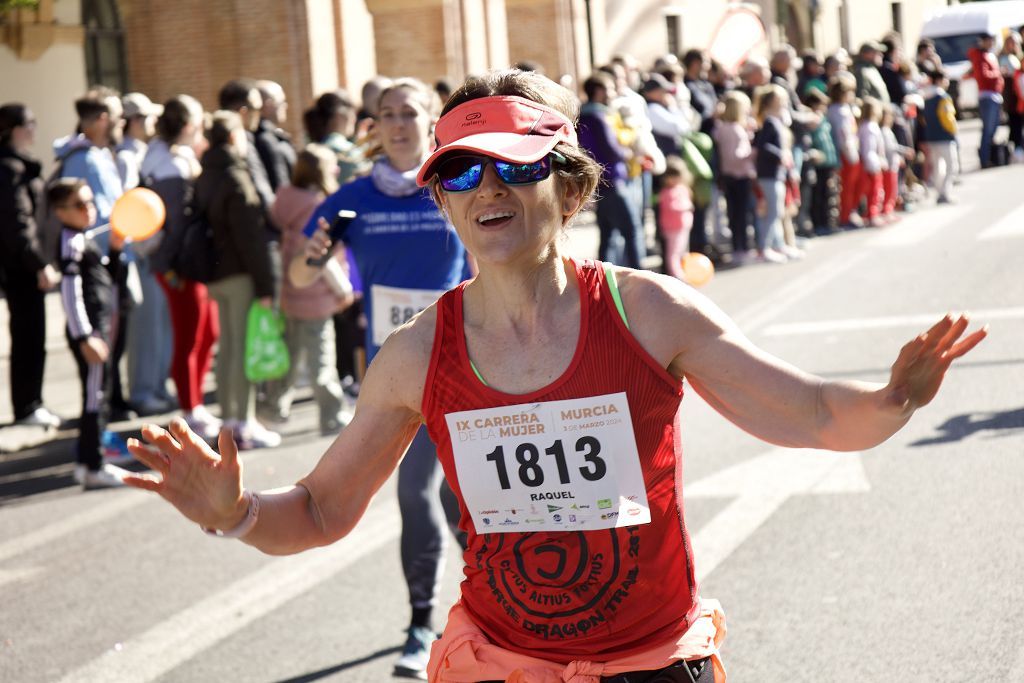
(48, 55)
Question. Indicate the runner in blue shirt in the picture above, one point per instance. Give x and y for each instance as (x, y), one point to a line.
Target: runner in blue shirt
(406, 255)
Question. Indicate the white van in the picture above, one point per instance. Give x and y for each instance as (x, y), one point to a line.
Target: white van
(956, 29)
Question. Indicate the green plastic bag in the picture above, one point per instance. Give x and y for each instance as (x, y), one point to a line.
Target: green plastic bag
(266, 354)
(696, 151)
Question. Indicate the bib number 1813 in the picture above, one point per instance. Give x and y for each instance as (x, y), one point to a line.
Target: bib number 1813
(531, 468)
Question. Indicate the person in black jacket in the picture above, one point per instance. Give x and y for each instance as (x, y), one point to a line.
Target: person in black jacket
(273, 144)
(25, 272)
(244, 272)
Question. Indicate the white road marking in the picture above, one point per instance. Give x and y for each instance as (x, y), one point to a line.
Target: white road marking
(757, 314)
(761, 485)
(178, 639)
(1009, 226)
(77, 520)
(21, 574)
(920, 227)
(1017, 668)
(120, 501)
(856, 324)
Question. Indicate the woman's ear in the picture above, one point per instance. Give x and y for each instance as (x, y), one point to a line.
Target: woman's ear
(440, 200)
(572, 200)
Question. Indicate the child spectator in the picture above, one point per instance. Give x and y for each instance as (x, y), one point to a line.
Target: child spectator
(773, 162)
(736, 167)
(675, 209)
(309, 311)
(88, 293)
(895, 160)
(872, 159)
(939, 132)
(825, 193)
(841, 93)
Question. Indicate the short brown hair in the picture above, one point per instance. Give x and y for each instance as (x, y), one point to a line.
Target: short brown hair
(580, 168)
(221, 125)
(310, 166)
(62, 189)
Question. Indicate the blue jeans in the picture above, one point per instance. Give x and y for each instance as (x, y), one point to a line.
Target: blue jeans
(989, 106)
(769, 226)
(617, 213)
(150, 340)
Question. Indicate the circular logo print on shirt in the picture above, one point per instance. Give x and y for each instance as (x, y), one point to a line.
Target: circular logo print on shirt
(560, 575)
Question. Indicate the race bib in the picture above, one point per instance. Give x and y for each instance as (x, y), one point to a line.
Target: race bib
(394, 306)
(554, 466)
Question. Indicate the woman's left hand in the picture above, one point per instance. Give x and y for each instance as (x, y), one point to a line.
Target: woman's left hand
(921, 366)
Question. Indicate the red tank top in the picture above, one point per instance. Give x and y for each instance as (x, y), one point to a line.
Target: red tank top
(561, 595)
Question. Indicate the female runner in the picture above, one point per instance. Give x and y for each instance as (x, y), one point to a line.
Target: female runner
(552, 390)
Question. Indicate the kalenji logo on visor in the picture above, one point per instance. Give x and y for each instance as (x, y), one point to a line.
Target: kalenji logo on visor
(472, 117)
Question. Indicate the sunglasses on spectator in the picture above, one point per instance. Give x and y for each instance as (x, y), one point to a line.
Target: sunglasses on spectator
(79, 205)
(463, 173)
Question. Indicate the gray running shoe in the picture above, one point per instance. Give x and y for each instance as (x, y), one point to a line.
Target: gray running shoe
(413, 662)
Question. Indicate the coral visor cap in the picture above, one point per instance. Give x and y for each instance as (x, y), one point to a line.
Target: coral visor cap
(509, 128)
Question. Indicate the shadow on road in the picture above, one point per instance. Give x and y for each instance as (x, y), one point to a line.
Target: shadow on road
(962, 426)
(324, 673)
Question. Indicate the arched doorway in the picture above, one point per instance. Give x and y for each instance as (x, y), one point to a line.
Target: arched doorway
(104, 44)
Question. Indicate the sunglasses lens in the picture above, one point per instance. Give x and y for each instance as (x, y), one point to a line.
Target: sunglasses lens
(460, 174)
(522, 174)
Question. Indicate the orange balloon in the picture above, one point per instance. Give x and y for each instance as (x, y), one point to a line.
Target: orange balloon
(698, 269)
(138, 214)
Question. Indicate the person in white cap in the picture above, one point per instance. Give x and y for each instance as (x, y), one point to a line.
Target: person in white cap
(139, 128)
(552, 389)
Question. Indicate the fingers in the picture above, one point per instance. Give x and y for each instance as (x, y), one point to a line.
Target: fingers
(228, 447)
(938, 330)
(956, 329)
(149, 456)
(161, 439)
(147, 482)
(185, 436)
(968, 343)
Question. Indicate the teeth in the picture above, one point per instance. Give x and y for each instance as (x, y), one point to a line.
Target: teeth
(493, 216)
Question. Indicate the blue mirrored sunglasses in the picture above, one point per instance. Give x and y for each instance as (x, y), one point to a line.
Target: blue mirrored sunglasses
(465, 172)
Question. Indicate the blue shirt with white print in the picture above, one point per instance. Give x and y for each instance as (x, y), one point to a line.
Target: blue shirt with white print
(399, 242)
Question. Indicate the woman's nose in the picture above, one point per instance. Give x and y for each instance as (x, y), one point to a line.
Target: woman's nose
(491, 183)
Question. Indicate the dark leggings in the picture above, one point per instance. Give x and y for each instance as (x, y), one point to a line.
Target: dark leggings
(737, 193)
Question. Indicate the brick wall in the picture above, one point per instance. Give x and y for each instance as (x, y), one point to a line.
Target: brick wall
(195, 46)
(412, 42)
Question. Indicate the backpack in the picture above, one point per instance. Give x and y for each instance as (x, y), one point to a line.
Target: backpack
(47, 226)
(196, 256)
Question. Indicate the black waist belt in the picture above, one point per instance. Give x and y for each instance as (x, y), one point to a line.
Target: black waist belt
(694, 671)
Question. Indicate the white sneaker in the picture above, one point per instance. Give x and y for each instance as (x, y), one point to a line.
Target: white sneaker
(203, 423)
(40, 417)
(792, 253)
(251, 434)
(107, 477)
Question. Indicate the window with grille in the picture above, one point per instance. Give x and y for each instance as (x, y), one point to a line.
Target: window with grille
(104, 44)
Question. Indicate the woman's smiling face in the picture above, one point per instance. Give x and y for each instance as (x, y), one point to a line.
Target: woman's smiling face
(403, 126)
(503, 223)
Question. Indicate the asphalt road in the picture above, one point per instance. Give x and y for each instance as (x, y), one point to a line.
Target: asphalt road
(899, 563)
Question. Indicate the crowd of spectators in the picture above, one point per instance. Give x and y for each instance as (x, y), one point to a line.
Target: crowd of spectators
(743, 167)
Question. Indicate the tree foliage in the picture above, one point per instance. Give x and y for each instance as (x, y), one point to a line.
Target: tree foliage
(13, 4)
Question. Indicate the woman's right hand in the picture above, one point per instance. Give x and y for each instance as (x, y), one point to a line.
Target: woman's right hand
(320, 241)
(203, 485)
